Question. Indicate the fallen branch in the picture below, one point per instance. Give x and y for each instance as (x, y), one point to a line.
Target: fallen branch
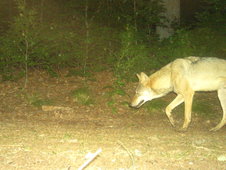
(90, 159)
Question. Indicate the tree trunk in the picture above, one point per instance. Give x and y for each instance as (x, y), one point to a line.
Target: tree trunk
(171, 14)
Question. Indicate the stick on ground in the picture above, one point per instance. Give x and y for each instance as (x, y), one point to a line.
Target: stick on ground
(90, 159)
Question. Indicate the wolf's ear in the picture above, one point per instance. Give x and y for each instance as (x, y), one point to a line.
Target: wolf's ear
(142, 77)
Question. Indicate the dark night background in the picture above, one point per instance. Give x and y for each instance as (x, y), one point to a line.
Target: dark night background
(119, 34)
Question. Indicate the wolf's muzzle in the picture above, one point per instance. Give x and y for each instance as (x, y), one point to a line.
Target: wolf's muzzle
(138, 105)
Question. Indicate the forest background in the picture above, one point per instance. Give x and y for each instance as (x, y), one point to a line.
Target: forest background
(87, 36)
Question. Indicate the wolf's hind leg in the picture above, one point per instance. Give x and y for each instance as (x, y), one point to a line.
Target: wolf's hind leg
(177, 101)
(222, 98)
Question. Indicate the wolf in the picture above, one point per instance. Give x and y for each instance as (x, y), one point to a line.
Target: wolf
(184, 76)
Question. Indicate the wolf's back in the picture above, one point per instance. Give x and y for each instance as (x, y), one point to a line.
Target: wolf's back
(207, 74)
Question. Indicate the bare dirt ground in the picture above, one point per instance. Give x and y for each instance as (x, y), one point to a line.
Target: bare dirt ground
(64, 134)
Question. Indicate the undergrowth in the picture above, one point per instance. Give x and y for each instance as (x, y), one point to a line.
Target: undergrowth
(37, 101)
(82, 96)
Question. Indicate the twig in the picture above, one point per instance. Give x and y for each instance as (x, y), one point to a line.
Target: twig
(90, 159)
(130, 154)
(201, 147)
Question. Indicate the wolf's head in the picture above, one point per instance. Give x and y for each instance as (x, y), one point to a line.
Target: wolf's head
(144, 91)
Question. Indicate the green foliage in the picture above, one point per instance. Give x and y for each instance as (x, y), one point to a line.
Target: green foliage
(34, 42)
(18, 42)
(116, 91)
(73, 72)
(82, 96)
(196, 42)
(155, 105)
(117, 34)
(212, 14)
(59, 47)
(51, 71)
(142, 15)
(37, 101)
(98, 68)
(112, 104)
(9, 75)
(28, 42)
(133, 55)
(113, 92)
(203, 108)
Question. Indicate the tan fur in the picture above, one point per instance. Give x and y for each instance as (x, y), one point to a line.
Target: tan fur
(184, 77)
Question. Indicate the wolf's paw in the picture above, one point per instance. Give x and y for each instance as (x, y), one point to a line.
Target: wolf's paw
(219, 126)
(172, 122)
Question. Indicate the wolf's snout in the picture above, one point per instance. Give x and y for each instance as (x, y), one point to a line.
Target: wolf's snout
(137, 105)
(132, 106)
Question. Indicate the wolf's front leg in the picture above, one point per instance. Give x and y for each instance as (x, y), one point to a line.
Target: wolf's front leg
(188, 107)
(177, 101)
